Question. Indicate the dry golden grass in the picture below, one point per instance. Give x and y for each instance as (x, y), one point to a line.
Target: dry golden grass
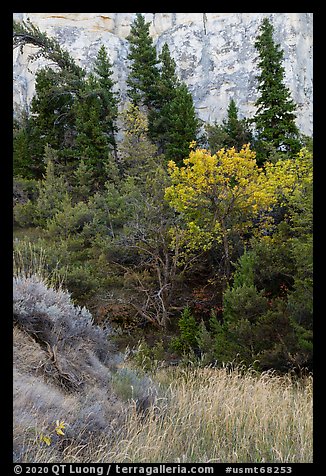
(212, 415)
(30, 260)
(218, 416)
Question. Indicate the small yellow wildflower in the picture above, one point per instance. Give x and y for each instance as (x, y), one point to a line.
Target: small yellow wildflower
(60, 425)
(45, 439)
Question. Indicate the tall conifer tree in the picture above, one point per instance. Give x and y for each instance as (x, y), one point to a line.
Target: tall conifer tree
(237, 129)
(182, 125)
(166, 90)
(168, 77)
(109, 101)
(143, 76)
(275, 116)
(56, 89)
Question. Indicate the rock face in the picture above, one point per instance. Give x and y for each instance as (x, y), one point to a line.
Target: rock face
(214, 53)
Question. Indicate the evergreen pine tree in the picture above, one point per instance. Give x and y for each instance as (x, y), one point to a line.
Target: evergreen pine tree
(96, 111)
(236, 129)
(275, 116)
(27, 149)
(109, 101)
(168, 77)
(91, 140)
(56, 89)
(233, 132)
(143, 76)
(83, 182)
(51, 108)
(166, 89)
(53, 191)
(25, 33)
(182, 125)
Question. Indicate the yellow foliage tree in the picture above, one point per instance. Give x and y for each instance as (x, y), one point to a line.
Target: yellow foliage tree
(137, 153)
(291, 178)
(219, 196)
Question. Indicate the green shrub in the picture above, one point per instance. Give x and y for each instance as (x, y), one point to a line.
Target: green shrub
(70, 220)
(131, 384)
(205, 342)
(148, 358)
(53, 191)
(244, 303)
(25, 214)
(25, 193)
(245, 271)
(82, 281)
(189, 332)
(24, 189)
(274, 264)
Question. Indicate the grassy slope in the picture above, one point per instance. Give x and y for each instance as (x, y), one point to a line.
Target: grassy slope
(205, 416)
(217, 416)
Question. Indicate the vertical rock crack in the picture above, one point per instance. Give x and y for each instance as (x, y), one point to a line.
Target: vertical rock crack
(204, 23)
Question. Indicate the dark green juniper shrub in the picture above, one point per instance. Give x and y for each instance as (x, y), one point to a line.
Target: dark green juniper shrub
(189, 331)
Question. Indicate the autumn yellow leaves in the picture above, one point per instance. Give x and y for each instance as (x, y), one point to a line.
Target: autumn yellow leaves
(227, 193)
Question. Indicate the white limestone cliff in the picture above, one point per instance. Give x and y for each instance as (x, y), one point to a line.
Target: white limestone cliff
(214, 53)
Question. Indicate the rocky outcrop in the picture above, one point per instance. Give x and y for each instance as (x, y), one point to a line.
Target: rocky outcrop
(214, 52)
